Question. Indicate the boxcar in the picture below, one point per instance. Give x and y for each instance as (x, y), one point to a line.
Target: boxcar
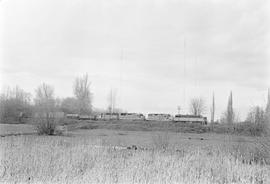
(159, 117)
(131, 116)
(73, 116)
(190, 119)
(108, 116)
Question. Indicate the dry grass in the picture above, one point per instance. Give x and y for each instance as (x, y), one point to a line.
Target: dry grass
(161, 141)
(44, 159)
(16, 129)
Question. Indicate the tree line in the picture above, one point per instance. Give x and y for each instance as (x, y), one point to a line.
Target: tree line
(258, 118)
(15, 104)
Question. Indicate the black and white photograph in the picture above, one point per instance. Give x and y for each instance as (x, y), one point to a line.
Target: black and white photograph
(135, 91)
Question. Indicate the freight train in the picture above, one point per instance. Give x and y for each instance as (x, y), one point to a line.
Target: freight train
(138, 116)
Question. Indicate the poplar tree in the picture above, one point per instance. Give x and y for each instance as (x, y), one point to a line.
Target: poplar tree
(230, 113)
(213, 109)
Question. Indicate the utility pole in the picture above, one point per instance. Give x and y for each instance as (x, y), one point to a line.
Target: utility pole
(185, 73)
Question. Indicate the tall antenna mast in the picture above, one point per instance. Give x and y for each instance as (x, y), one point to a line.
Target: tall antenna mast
(195, 73)
(185, 73)
(121, 77)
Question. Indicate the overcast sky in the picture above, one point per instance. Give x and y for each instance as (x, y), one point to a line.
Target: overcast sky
(156, 54)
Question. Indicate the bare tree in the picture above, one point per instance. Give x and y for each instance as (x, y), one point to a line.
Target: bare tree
(267, 114)
(45, 107)
(14, 104)
(213, 109)
(255, 115)
(45, 97)
(70, 105)
(45, 104)
(83, 94)
(197, 106)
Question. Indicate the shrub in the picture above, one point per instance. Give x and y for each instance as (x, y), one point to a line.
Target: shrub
(46, 126)
(247, 128)
(244, 128)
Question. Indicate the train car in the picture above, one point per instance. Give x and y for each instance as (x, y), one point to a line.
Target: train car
(190, 119)
(108, 116)
(159, 117)
(72, 116)
(87, 117)
(131, 116)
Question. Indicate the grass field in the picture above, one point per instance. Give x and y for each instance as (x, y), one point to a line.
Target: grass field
(89, 156)
(9, 129)
(112, 136)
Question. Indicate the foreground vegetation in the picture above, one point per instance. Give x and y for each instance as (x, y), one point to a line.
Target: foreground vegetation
(44, 159)
(243, 128)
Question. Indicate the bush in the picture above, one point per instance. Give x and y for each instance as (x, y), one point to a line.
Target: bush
(244, 128)
(247, 128)
(46, 126)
